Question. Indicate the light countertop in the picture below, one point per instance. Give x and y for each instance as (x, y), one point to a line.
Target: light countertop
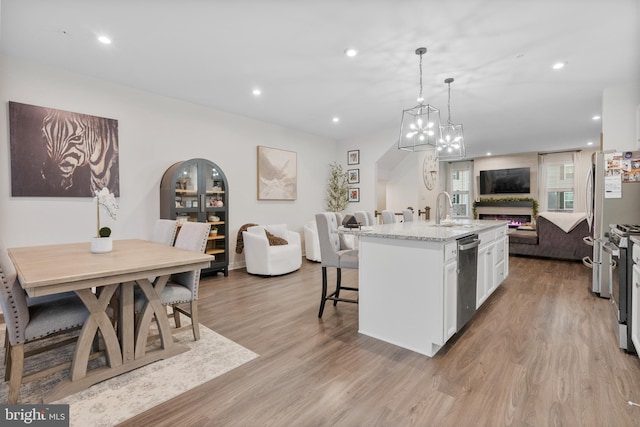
(425, 230)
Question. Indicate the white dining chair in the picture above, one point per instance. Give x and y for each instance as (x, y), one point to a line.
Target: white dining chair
(164, 231)
(388, 217)
(182, 288)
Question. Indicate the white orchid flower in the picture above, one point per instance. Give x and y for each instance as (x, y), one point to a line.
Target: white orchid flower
(108, 200)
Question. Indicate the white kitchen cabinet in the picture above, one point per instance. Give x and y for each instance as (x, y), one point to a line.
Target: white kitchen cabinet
(493, 263)
(450, 297)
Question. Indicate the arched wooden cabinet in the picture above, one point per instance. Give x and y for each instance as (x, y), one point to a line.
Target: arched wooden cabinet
(197, 190)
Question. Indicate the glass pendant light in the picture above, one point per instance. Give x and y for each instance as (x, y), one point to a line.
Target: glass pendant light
(420, 126)
(451, 143)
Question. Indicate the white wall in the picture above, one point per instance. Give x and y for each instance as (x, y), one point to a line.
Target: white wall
(154, 133)
(619, 125)
(402, 191)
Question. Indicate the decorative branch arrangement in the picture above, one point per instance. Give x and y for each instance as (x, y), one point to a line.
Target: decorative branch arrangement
(338, 188)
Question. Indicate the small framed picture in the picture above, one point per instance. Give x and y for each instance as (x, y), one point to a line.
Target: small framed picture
(353, 176)
(353, 157)
(354, 194)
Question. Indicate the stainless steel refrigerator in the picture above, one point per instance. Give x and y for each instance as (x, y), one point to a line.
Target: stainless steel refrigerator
(613, 197)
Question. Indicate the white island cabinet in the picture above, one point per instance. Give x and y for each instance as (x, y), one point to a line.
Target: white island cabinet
(408, 280)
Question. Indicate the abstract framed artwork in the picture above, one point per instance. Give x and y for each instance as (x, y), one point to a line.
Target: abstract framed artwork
(56, 153)
(277, 174)
(354, 194)
(353, 176)
(353, 157)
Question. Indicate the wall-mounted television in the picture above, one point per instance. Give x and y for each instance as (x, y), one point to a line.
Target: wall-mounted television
(505, 181)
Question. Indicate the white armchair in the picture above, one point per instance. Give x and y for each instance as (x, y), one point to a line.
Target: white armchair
(267, 259)
(311, 242)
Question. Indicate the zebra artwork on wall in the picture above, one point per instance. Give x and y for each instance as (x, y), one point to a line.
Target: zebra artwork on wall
(57, 153)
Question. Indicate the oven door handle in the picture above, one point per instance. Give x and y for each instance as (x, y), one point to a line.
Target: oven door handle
(612, 249)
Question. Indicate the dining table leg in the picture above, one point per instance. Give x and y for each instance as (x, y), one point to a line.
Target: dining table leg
(152, 308)
(97, 320)
(126, 321)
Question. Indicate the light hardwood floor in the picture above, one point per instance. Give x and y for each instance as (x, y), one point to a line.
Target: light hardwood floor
(540, 352)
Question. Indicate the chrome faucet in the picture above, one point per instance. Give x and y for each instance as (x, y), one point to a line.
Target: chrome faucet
(438, 205)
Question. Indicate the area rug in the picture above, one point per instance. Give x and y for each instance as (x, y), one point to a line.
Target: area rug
(118, 399)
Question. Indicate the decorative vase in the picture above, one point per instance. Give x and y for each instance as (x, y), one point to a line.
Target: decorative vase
(100, 245)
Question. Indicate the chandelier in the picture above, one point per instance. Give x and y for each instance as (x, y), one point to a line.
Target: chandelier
(420, 126)
(451, 143)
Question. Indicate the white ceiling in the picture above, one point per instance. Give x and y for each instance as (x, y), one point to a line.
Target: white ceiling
(214, 53)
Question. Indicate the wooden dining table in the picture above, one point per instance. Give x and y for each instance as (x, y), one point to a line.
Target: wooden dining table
(53, 269)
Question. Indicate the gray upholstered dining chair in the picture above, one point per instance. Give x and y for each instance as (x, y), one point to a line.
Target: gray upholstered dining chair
(333, 254)
(182, 288)
(164, 231)
(407, 215)
(30, 323)
(388, 217)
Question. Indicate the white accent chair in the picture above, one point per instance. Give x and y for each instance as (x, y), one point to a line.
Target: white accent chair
(265, 259)
(311, 242)
(334, 254)
(30, 323)
(407, 215)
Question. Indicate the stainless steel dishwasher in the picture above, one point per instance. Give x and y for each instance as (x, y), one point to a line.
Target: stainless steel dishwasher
(467, 278)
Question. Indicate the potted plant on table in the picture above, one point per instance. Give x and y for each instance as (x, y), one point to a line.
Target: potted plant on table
(102, 242)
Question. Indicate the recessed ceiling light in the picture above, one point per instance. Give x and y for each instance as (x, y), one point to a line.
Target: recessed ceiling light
(104, 40)
(257, 92)
(596, 117)
(335, 119)
(488, 154)
(590, 143)
(350, 52)
(559, 65)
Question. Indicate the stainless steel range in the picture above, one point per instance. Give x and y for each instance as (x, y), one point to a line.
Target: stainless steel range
(621, 279)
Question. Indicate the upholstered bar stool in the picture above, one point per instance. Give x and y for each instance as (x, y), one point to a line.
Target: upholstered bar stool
(334, 254)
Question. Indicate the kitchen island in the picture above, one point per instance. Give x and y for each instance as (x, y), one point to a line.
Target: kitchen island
(408, 287)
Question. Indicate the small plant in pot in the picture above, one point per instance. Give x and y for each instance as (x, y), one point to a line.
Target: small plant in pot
(104, 232)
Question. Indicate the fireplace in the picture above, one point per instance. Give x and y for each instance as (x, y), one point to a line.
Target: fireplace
(514, 220)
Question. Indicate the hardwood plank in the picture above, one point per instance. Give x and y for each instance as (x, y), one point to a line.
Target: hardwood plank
(541, 351)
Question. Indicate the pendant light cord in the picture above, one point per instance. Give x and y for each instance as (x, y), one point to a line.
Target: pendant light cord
(449, 103)
(420, 96)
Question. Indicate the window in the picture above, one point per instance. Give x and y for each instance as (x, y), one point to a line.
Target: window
(560, 181)
(460, 184)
